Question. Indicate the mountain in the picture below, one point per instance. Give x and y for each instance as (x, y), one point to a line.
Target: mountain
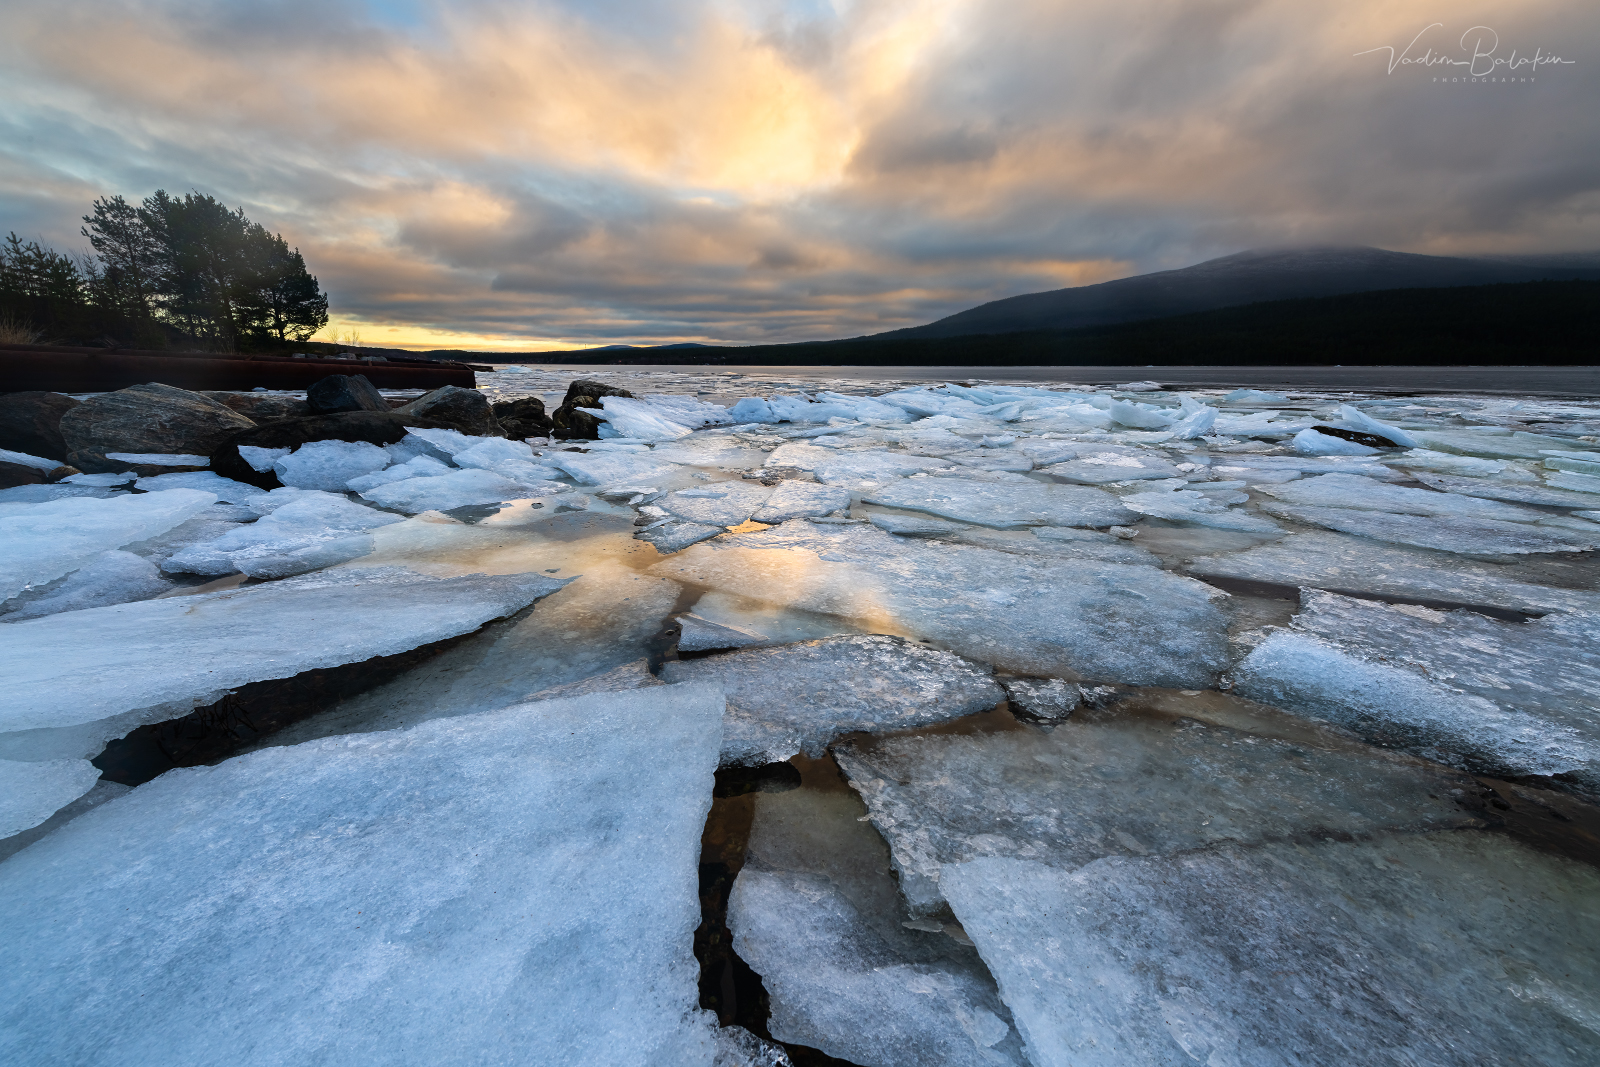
(1256, 276)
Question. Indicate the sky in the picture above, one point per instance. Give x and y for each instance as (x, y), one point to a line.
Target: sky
(549, 175)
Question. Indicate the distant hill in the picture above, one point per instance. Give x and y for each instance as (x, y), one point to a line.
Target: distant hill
(1528, 323)
(1249, 277)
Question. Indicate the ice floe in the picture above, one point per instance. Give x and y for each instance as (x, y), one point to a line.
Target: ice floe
(81, 678)
(1319, 954)
(800, 697)
(47, 540)
(327, 890)
(1509, 698)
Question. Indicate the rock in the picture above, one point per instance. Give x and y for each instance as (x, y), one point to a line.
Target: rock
(1041, 699)
(522, 418)
(373, 427)
(455, 408)
(1371, 440)
(345, 392)
(262, 408)
(150, 418)
(31, 423)
(14, 474)
(583, 393)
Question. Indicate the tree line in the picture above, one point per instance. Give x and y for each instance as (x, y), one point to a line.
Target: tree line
(168, 272)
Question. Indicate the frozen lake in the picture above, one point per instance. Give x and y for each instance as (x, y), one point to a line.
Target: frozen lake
(1045, 717)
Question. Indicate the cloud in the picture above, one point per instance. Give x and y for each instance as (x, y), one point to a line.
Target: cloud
(552, 174)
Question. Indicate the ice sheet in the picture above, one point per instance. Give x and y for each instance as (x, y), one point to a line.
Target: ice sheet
(310, 532)
(1353, 491)
(1186, 505)
(1437, 950)
(32, 792)
(110, 578)
(1003, 505)
(329, 465)
(1355, 565)
(794, 499)
(800, 697)
(1502, 697)
(456, 489)
(527, 875)
(224, 489)
(610, 468)
(44, 541)
(1097, 466)
(1129, 782)
(1060, 618)
(1463, 535)
(85, 677)
(717, 504)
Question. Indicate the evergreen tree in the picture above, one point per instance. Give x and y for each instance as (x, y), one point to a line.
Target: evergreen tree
(130, 257)
(287, 302)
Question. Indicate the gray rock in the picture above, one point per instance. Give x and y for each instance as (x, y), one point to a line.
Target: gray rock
(452, 406)
(523, 418)
(31, 423)
(150, 418)
(1042, 699)
(570, 422)
(344, 392)
(262, 408)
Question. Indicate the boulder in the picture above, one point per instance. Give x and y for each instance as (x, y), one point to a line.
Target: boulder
(15, 474)
(452, 406)
(31, 423)
(262, 408)
(344, 392)
(373, 427)
(522, 418)
(582, 393)
(144, 419)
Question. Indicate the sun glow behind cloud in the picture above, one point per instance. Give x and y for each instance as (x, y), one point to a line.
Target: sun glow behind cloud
(547, 175)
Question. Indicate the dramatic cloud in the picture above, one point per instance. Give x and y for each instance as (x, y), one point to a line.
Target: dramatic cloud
(540, 175)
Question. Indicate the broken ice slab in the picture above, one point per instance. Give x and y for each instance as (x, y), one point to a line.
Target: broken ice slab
(780, 623)
(1003, 505)
(717, 504)
(800, 697)
(312, 531)
(329, 889)
(1186, 505)
(1355, 565)
(1505, 698)
(816, 914)
(32, 792)
(79, 679)
(329, 465)
(110, 578)
(916, 525)
(1098, 466)
(44, 541)
(1581, 483)
(1053, 617)
(703, 635)
(1489, 442)
(224, 489)
(669, 537)
(610, 467)
(1132, 780)
(1352, 491)
(1483, 537)
(455, 489)
(606, 618)
(1444, 950)
(1512, 492)
(794, 499)
(992, 459)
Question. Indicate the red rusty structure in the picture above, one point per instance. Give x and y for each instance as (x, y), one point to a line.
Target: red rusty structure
(98, 370)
